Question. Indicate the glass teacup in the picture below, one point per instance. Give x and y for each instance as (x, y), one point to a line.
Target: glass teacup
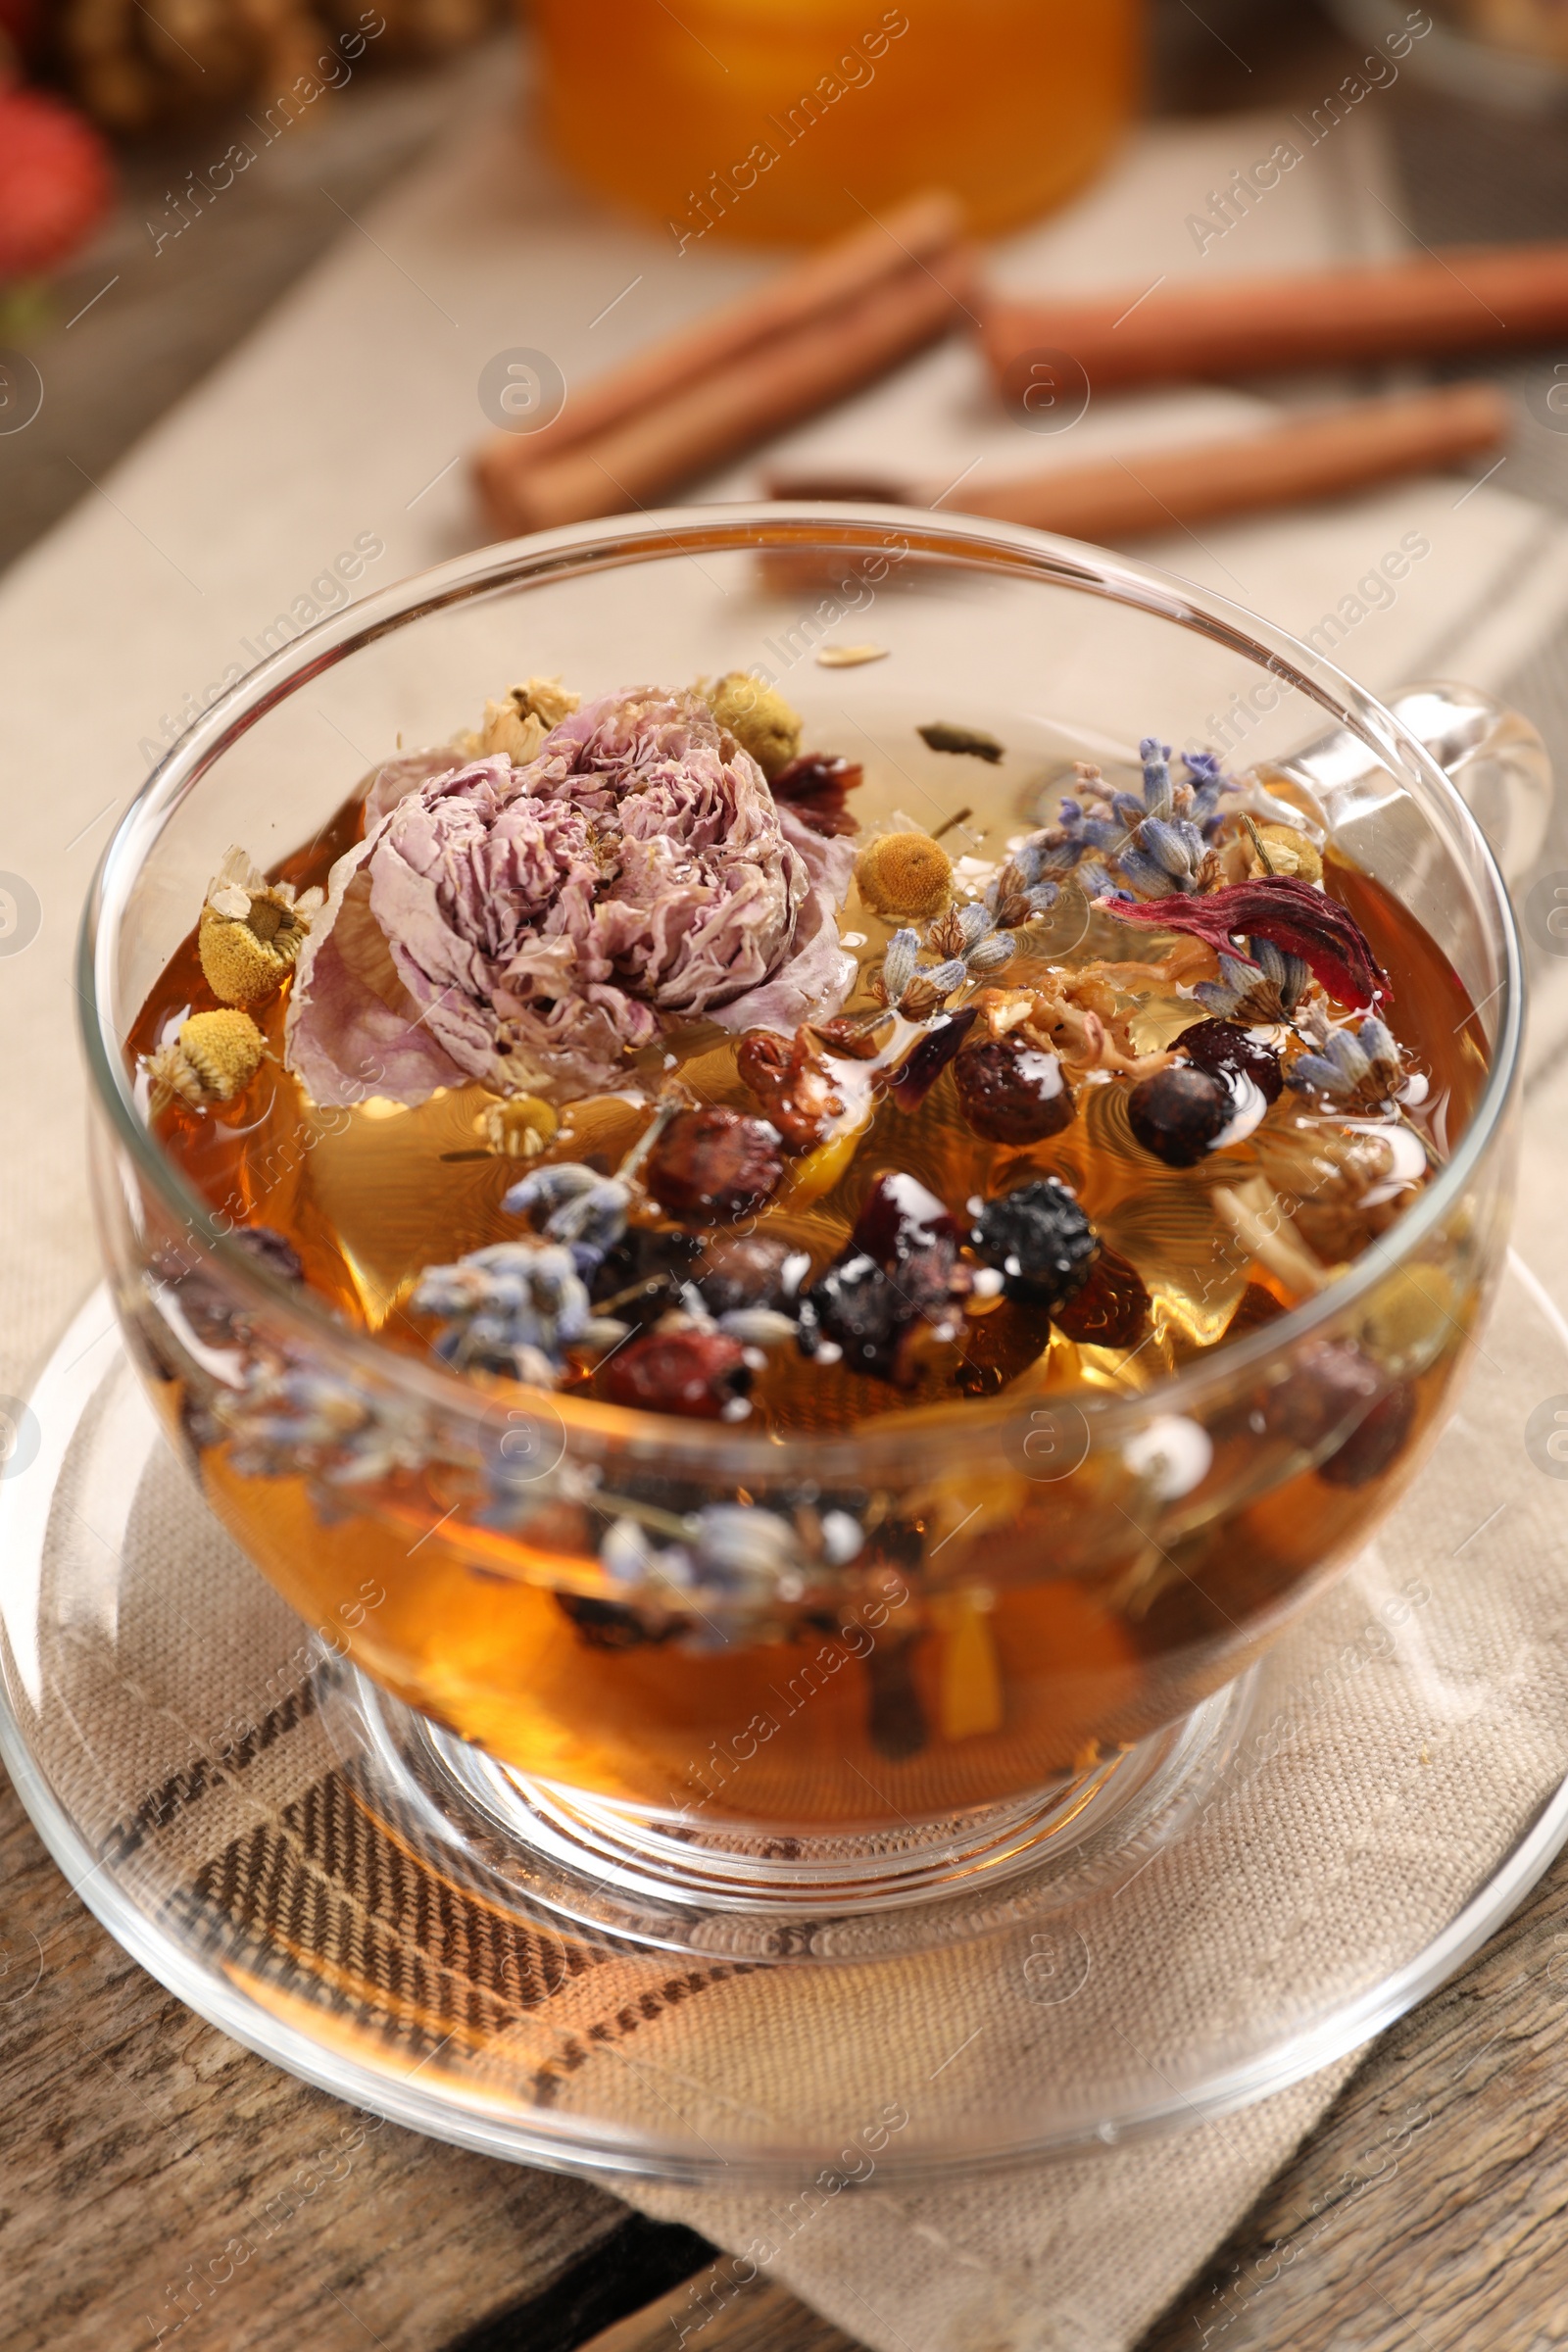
(867, 1660)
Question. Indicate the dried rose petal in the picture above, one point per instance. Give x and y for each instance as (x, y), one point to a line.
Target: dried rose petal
(792, 1084)
(507, 923)
(1291, 914)
(714, 1163)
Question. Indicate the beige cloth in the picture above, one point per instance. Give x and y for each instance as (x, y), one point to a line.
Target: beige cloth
(341, 416)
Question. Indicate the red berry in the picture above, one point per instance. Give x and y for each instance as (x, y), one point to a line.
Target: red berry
(1225, 1050)
(1178, 1113)
(56, 184)
(713, 1165)
(1111, 1310)
(1011, 1092)
(693, 1372)
(791, 1082)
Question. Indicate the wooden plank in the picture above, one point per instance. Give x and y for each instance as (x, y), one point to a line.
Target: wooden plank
(756, 2317)
(1428, 2207)
(152, 2169)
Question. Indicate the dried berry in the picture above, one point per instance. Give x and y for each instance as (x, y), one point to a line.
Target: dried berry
(691, 1370)
(927, 1058)
(900, 1270)
(611, 1625)
(905, 876)
(1376, 1443)
(855, 1307)
(851, 1040)
(1258, 1306)
(909, 1235)
(791, 1082)
(1111, 1310)
(1000, 1345)
(1178, 1113)
(1226, 1051)
(714, 1163)
(815, 786)
(1011, 1093)
(1040, 1241)
(641, 1277)
(745, 1270)
(1332, 1385)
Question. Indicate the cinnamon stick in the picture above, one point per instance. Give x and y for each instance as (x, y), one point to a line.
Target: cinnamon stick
(1464, 298)
(1322, 456)
(812, 334)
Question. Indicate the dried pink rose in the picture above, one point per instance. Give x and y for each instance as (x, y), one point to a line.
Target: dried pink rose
(531, 925)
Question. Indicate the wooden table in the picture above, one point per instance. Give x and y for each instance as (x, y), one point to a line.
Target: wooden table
(1425, 2210)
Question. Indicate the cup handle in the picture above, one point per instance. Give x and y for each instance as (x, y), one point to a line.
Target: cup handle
(1493, 757)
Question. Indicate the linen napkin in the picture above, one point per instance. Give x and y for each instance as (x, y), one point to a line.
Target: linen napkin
(354, 405)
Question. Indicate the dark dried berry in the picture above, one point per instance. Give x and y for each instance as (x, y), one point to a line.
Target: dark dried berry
(894, 1722)
(1178, 1113)
(791, 1082)
(1334, 1388)
(900, 1269)
(1258, 1306)
(927, 1058)
(1376, 1444)
(814, 785)
(860, 1310)
(644, 1273)
(611, 1625)
(1000, 1345)
(1011, 1092)
(851, 1040)
(1225, 1050)
(1111, 1310)
(1040, 1241)
(691, 1372)
(747, 1270)
(911, 1236)
(1330, 1385)
(714, 1163)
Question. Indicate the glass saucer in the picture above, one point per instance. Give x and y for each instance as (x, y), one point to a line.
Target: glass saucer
(356, 1897)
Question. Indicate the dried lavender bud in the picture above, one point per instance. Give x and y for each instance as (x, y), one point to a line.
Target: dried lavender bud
(927, 1058)
(694, 1372)
(1226, 1051)
(1011, 1092)
(744, 1270)
(791, 1084)
(713, 1165)
(1111, 1310)
(1039, 1240)
(1178, 1113)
